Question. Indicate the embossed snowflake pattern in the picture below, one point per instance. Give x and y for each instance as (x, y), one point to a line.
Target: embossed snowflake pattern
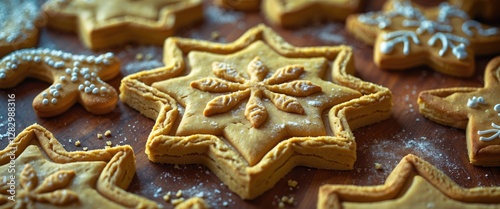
(281, 88)
(49, 191)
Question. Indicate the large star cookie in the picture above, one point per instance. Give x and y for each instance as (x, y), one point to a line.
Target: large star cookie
(293, 13)
(475, 109)
(414, 183)
(253, 109)
(19, 24)
(45, 175)
(105, 23)
(406, 35)
(74, 78)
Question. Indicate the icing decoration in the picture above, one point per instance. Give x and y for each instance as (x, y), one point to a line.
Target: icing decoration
(447, 40)
(495, 131)
(390, 39)
(447, 11)
(475, 101)
(427, 25)
(476, 25)
(374, 18)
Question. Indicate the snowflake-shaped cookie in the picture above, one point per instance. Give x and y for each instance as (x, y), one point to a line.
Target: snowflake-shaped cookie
(405, 35)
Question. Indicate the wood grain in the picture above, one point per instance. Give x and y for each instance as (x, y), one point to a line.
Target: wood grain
(385, 142)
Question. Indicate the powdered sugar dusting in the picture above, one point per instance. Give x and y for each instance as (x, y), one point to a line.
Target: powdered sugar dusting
(217, 15)
(17, 19)
(328, 33)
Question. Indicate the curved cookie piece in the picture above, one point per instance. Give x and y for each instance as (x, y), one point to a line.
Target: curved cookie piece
(406, 35)
(19, 22)
(414, 183)
(253, 109)
(74, 78)
(47, 176)
(295, 13)
(243, 5)
(475, 109)
(106, 23)
(484, 9)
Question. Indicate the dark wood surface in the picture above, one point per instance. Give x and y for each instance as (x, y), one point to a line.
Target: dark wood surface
(385, 142)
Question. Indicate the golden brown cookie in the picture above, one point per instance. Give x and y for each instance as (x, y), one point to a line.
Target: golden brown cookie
(477, 110)
(243, 5)
(106, 23)
(74, 78)
(39, 173)
(253, 109)
(483, 9)
(414, 183)
(19, 22)
(294, 13)
(405, 35)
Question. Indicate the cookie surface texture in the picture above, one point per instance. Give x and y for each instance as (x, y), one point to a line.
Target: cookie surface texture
(253, 109)
(74, 78)
(112, 22)
(477, 110)
(19, 24)
(44, 175)
(406, 35)
(414, 183)
(295, 13)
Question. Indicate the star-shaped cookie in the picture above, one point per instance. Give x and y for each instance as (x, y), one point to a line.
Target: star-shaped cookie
(414, 183)
(39, 173)
(294, 13)
(19, 24)
(405, 35)
(106, 23)
(475, 109)
(253, 109)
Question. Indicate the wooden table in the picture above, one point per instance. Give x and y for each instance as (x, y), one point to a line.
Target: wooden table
(385, 142)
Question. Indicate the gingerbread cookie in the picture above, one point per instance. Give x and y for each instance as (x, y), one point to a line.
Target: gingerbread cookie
(406, 35)
(19, 24)
(414, 183)
(483, 9)
(475, 109)
(74, 78)
(47, 176)
(243, 5)
(253, 109)
(294, 13)
(106, 23)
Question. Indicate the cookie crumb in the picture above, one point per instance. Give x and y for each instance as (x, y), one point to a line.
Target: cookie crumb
(149, 56)
(78, 143)
(281, 205)
(166, 197)
(286, 200)
(378, 166)
(292, 183)
(109, 143)
(176, 166)
(214, 35)
(85, 148)
(99, 136)
(107, 133)
(179, 193)
(139, 56)
(177, 201)
(107, 147)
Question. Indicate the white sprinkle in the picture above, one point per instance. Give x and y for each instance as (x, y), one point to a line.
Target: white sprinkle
(55, 93)
(44, 94)
(13, 66)
(2, 76)
(45, 101)
(109, 55)
(62, 78)
(86, 76)
(59, 64)
(37, 59)
(92, 86)
(81, 87)
(54, 101)
(87, 90)
(74, 78)
(68, 71)
(103, 89)
(76, 64)
(86, 83)
(95, 91)
(58, 86)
